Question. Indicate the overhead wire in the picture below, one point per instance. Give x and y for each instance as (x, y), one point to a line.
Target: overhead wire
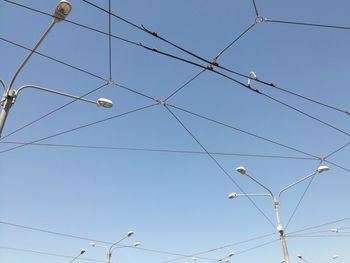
(159, 150)
(52, 112)
(221, 247)
(337, 150)
(255, 8)
(258, 246)
(49, 254)
(110, 39)
(307, 24)
(339, 166)
(211, 63)
(78, 128)
(243, 131)
(301, 199)
(319, 226)
(219, 165)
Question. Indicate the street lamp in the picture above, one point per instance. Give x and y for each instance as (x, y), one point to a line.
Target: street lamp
(114, 245)
(303, 259)
(9, 94)
(332, 258)
(276, 201)
(82, 251)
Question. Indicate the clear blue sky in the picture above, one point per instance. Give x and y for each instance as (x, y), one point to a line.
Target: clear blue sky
(175, 202)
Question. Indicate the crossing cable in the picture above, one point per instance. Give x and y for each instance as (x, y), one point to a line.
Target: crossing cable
(211, 63)
(306, 24)
(318, 226)
(325, 231)
(215, 60)
(301, 198)
(319, 236)
(255, 8)
(258, 246)
(138, 248)
(219, 248)
(48, 254)
(110, 39)
(219, 165)
(159, 150)
(244, 131)
(339, 166)
(78, 128)
(214, 63)
(52, 112)
(337, 150)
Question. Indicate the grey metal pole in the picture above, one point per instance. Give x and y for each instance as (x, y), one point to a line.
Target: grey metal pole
(281, 230)
(9, 97)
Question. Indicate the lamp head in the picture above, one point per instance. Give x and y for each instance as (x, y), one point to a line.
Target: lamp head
(300, 256)
(62, 10)
(93, 244)
(130, 233)
(322, 169)
(335, 256)
(335, 230)
(136, 244)
(82, 251)
(105, 103)
(232, 196)
(241, 170)
(230, 254)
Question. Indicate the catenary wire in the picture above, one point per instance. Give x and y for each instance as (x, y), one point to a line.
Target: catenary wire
(138, 248)
(325, 231)
(51, 112)
(256, 247)
(307, 24)
(337, 150)
(301, 199)
(215, 59)
(219, 166)
(221, 247)
(255, 8)
(78, 128)
(337, 165)
(243, 131)
(321, 236)
(163, 53)
(160, 150)
(110, 39)
(48, 254)
(219, 66)
(319, 226)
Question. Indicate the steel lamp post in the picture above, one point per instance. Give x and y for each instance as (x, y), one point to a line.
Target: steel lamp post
(9, 94)
(276, 202)
(115, 245)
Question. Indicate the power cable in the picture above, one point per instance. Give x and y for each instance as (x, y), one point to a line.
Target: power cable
(110, 39)
(51, 112)
(219, 165)
(53, 59)
(256, 247)
(318, 236)
(318, 226)
(337, 150)
(339, 166)
(78, 128)
(211, 63)
(301, 199)
(243, 131)
(219, 248)
(306, 24)
(48, 254)
(255, 8)
(158, 150)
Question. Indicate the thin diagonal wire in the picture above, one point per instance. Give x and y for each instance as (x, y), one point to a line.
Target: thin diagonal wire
(216, 58)
(163, 53)
(133, 91)
(48, 254)
(219, 248)
(219, 165)
(186, 84)
(305, 114)
(337, 150)
(51, 112)
(53, 59)
(255, 8)
(110, 39)
(243, 131)
(256, 247)
(77, 128)
(301, 199)
(169, 55)
(322, 236)
(159, 150)
(307, 24)
(234, 41)
(318, 226)
(339, 166)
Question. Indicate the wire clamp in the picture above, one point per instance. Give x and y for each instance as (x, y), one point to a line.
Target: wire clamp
(260, 19)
